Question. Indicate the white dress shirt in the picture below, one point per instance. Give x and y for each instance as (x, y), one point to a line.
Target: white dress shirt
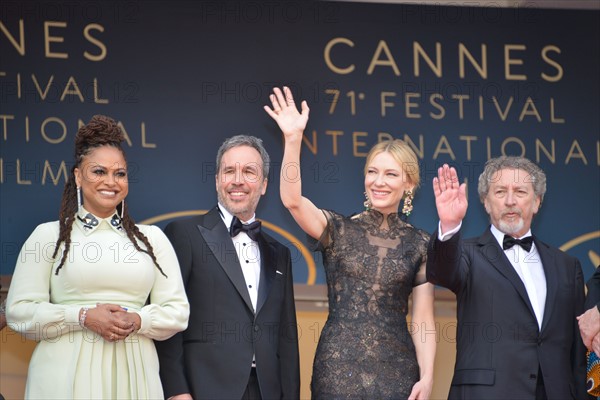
(248, 253)
(528, 265)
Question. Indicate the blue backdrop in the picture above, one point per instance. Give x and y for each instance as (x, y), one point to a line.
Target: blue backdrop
(461, 84)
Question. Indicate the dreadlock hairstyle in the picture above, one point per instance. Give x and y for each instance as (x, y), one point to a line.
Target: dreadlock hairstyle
(100, 131)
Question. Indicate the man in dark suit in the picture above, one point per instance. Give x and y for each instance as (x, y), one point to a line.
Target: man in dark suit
(589, 322)
(242, 341)
(517, 297)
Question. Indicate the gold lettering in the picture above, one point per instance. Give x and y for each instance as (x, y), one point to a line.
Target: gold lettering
(327, 56)
(419, 51)
(550, 155)
(437, 105)
(388, 62)
(62, 170)
(93, 40)
(501, 113)
(443, 147)
(529, 105)
(481, 108)
(460, 98)
(481, 68)
(39, 89)
(55, 39)
(125, 134)
(381, 136)
(334, 135)
(559, 69)
(71, 83)
(385, 104)
(553, 118)
(5, 119)
(575, 152)
(144, 143)
(60, 123)
(20, 46)
(508, 75)
(98, 100)
(311, 146)
(356, 144)
(19, 180)
(419, 151)
(468, 139)
(408, 105)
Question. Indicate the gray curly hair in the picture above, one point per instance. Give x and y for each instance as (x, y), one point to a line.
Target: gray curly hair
(537, 177)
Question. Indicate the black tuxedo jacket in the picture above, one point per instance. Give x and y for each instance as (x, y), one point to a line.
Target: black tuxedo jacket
(212, 359)
(500, 349)
(593, 294)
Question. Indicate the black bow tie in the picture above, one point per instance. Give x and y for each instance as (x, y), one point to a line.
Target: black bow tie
(252, 230)
(510, 241)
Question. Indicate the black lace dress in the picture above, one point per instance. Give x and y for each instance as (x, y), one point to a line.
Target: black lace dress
(365, 350)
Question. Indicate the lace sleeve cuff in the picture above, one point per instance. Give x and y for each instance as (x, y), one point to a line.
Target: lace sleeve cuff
(326, 237)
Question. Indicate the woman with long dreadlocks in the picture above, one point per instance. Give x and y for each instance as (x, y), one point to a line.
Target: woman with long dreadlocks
(93, 288)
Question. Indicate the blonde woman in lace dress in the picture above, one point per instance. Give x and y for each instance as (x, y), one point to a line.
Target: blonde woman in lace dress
(373, 262)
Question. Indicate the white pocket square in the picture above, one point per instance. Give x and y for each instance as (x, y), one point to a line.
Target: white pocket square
(279, 272)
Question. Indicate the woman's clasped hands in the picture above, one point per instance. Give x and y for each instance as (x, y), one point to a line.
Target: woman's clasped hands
(111, 321)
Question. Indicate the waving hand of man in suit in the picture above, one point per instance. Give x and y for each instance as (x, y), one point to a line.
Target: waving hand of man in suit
(517, 297)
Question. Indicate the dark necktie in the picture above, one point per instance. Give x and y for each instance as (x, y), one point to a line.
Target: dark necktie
(510, 241)
(252, 230)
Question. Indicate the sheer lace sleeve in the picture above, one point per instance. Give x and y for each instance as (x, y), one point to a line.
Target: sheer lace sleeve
(421, 239)
(327, 237)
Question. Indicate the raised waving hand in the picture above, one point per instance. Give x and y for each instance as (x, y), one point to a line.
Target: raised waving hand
(292, 123)
(285, 113)
(450, 198)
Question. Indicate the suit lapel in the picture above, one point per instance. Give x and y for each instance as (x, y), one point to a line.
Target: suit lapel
(268, 259)
(217, 238)
(494, 254)
(549, 265)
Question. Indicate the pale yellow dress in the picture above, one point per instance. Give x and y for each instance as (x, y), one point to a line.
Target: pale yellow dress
(103, 266)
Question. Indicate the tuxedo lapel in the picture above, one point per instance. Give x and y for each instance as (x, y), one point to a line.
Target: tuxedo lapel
(268, 267)
(494, 254)
(550, 271)
(219, 242)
